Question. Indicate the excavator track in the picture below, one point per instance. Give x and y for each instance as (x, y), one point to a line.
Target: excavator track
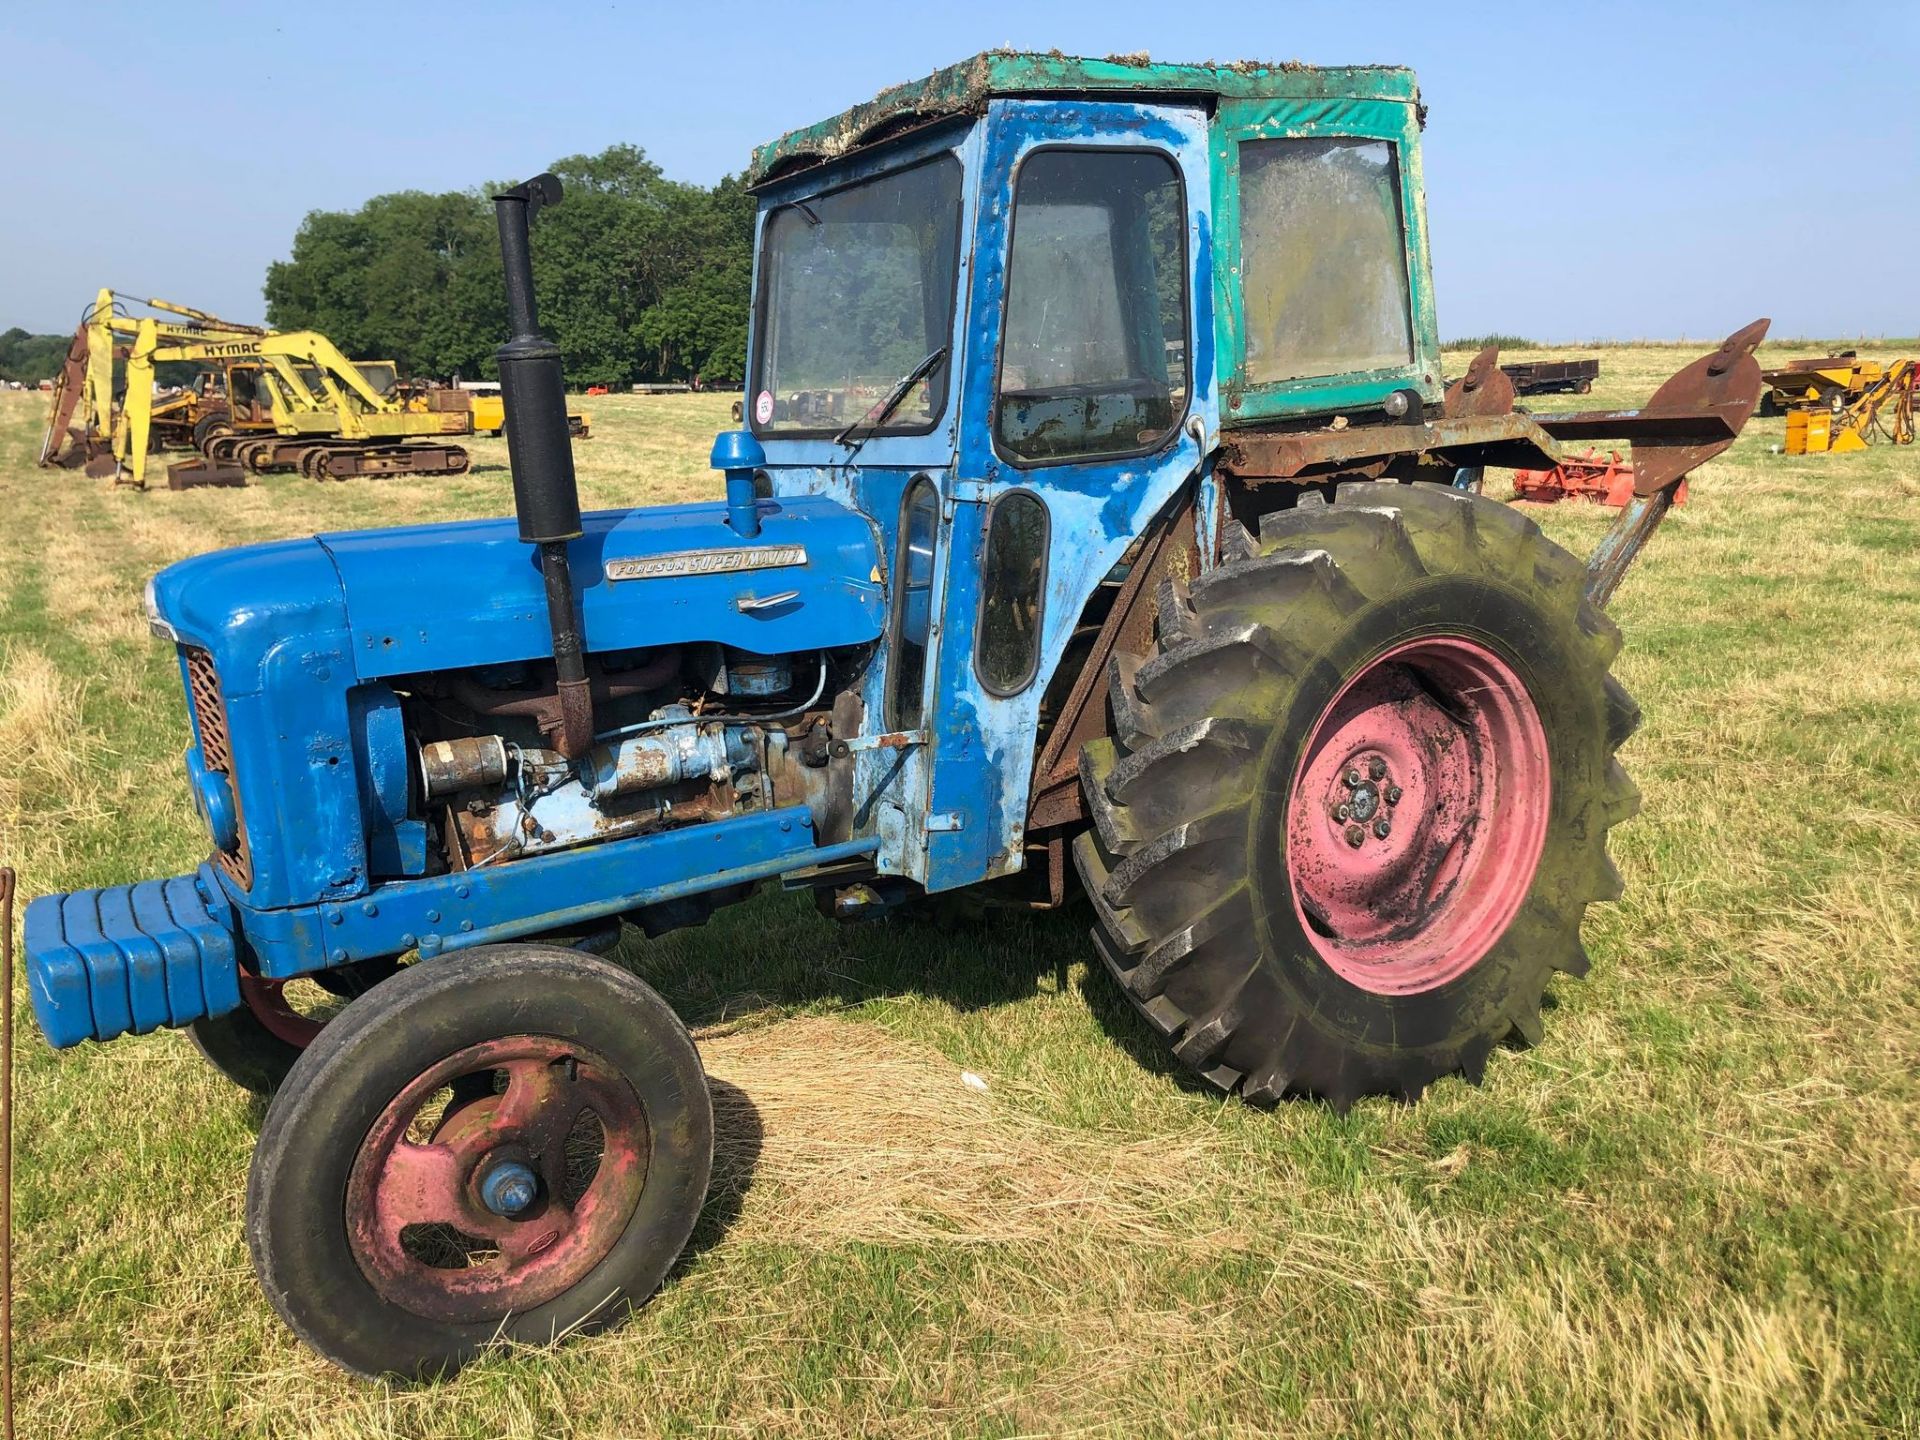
(379, 462)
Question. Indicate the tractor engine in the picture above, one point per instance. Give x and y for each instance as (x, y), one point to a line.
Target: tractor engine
(376, 706)
(490, 787)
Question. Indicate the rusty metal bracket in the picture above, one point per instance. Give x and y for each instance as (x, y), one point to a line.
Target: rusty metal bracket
(1693, 417)
(1690, 419)
(888, 740)
(1697, 414)
(1512, 440)
(1485, 389)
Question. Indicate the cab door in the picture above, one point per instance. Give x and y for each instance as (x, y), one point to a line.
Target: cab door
(1087, 405)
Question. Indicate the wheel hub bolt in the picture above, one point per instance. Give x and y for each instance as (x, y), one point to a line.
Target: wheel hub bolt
(1381, 828)
(1342, 812)
(1377, 768)
(509, 1188)
(1355, 836)
(1393, 794)
(1353, 778)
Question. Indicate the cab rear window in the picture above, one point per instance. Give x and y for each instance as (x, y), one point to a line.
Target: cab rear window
(1323, 259)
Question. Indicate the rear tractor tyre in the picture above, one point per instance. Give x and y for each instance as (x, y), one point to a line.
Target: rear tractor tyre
(1357, 797)
(511, 1144)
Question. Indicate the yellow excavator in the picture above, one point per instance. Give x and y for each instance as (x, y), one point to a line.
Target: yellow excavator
(1883, 410)
(238, 397)
(329, 422)
(80, 426)
(264, 400)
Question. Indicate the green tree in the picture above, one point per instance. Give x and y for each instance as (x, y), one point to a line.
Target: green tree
(639, 277)
(31, 358)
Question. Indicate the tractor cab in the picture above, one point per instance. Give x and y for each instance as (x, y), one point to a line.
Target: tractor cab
(1005, 312)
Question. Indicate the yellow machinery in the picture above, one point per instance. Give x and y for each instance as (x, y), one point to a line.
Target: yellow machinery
(329, 422)
(490, 416)
(237, 400)
(79, 429)
(1882, 410)
(1834, 381)
(264, 401)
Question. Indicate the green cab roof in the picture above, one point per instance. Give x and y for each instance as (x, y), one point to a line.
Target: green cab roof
(965, 88)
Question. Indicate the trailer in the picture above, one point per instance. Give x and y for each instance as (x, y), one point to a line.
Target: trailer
(1553, 377)
(1833, 381)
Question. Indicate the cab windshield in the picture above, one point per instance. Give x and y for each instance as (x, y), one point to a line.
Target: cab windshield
(856, 291)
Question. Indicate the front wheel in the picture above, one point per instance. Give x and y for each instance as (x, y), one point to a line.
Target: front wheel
(513, 1143)
(1358, 796)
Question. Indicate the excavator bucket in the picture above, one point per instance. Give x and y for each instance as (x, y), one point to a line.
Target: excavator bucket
(195, 474)
(62, 445)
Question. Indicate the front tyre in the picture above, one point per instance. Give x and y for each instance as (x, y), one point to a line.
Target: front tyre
(512, 1143)
(1357, 798)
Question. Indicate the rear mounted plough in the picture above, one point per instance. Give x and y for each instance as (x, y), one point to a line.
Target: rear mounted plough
(1690, 419)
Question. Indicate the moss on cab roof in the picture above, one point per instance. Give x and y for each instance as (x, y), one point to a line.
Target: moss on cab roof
(965, 88)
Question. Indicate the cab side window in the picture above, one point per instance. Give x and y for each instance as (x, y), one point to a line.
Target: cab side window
(913, 604)
(1012, 592)
(1093, 351)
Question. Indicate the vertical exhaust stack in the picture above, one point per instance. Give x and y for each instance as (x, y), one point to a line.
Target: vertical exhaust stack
(533, 396)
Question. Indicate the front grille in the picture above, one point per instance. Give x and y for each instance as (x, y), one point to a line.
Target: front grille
(216, 752)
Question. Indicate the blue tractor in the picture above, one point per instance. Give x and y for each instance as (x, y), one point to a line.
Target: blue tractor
(1092, 533)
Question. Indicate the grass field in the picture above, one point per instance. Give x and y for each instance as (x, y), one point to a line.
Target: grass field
(1694, 1210)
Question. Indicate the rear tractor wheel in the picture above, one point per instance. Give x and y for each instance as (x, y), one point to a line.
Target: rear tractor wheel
(511, 1144)
(1358, 796)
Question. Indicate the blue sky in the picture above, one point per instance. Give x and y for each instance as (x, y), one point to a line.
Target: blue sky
(1618, 171)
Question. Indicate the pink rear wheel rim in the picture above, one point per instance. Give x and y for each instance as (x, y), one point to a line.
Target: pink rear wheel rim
(423, 1220)
(1417, 816)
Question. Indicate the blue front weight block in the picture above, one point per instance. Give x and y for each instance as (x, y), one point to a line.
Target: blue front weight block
(131, 958)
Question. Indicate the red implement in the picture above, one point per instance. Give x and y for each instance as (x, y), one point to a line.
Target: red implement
(1605, 480)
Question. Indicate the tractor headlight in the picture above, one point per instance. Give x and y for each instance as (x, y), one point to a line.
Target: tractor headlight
(213, 798)
(156, 622)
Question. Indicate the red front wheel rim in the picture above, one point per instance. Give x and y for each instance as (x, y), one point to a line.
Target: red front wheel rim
(267, 999)
(1417, 816)
(425, 1218)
